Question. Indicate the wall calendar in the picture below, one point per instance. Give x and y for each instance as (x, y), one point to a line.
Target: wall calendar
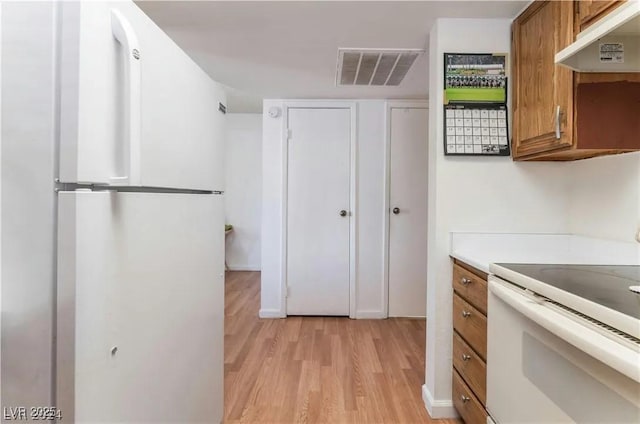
(476, 129)
(475, 105)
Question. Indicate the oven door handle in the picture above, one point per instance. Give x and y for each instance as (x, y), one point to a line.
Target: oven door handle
(618, 356)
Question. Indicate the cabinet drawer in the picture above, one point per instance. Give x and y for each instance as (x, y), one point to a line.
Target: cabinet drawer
(471, 367)
(466, 403)
(471, 324)
(470, 287)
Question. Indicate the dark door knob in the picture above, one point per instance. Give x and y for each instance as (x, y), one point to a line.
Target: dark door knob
(343, 213)
(396, 211)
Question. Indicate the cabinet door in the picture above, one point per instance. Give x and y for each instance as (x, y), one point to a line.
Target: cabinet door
(543, 91)
(589, 11)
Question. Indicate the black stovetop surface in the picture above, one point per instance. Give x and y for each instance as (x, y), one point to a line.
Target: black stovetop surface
(607, 285)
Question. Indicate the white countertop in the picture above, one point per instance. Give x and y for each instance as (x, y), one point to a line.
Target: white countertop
(481, 249)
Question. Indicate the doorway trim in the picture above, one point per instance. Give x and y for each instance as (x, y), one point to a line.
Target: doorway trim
(392, 104)
(353, 209)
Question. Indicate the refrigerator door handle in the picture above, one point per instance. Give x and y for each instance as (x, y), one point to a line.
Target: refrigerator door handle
(125, 35)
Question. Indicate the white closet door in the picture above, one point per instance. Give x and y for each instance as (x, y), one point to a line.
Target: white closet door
(318, 212)
(408, 215)
(140, 307)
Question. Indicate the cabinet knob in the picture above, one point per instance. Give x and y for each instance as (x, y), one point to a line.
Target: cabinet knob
(465, 281)
(465, 357)
(466, 314)
(465, 399)
(343, 213)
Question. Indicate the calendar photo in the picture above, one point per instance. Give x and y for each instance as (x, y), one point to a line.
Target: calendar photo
(473, 77)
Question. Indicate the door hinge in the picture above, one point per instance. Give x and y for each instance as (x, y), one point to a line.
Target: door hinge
(286, 291)
(288, 134)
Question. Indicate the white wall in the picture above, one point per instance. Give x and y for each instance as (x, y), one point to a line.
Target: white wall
(28, 202)
(1, 207)
(272, 189)
(370, 296)
(243, 190)
(370, 210)
(605, 197)
(474, 194)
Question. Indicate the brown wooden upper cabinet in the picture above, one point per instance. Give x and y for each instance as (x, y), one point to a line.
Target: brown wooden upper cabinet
(589, 11)
(559, 114)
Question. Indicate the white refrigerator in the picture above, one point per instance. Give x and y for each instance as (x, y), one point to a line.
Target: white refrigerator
(112, 138)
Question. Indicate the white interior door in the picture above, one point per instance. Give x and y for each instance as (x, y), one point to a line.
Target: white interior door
(135, 109)
(318, 214)
(140, 307)
(408, 212)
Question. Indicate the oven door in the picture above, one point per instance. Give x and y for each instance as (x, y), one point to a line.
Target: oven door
(539, 371)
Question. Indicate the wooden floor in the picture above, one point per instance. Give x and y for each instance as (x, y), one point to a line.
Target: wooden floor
(318, 370)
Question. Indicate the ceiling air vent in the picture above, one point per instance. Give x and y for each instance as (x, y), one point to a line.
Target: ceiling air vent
(374, 66)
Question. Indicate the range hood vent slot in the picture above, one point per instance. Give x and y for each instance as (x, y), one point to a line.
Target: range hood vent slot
(374, 67)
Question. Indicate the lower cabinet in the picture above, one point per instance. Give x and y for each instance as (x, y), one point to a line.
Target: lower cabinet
(469, 343)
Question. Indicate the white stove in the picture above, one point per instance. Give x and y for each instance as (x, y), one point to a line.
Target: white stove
(563, 344)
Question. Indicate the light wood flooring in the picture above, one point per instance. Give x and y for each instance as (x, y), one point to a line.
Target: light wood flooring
(317, 369)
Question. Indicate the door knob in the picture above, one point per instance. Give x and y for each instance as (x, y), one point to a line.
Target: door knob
(343, 213)
(396, 211)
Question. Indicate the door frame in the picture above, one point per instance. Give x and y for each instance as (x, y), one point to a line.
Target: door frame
(353, 163)
(393, 104)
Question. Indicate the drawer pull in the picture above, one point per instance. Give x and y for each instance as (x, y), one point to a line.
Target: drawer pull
(466, 314)
(465, 399)
(465, 281)
(465, 357)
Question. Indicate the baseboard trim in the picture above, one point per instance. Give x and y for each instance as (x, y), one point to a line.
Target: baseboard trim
(408, 316)
(370, 315)
(244, 268)
(271, 313)
(441, 408)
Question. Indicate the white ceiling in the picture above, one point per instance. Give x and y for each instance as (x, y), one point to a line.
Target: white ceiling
(269, 49)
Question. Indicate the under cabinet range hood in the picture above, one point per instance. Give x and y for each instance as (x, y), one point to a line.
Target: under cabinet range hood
(610, 45)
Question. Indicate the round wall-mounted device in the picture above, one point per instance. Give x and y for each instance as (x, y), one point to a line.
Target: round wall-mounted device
(274, 111)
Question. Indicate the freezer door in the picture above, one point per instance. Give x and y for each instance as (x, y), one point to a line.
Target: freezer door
(140, 307)
(134, 108)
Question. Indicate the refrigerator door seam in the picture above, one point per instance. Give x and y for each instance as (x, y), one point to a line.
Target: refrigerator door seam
(62, 186)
